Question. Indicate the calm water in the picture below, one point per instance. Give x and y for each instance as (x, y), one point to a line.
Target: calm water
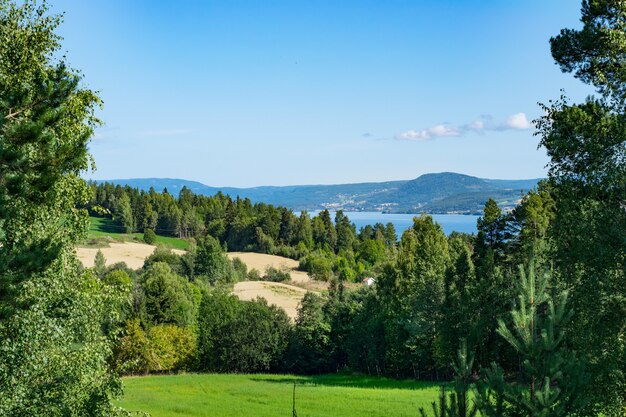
(449, 222)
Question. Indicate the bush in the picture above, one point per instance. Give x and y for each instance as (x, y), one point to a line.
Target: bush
(254, 275)
(276, 275)
(171, 348)
(149, 237)
(131, 354)
(318, 266)
(163, 348)
(240, 270)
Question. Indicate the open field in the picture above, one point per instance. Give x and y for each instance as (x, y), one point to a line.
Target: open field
(204, 395)
(132, 253)
(261, 261)
(282, 295)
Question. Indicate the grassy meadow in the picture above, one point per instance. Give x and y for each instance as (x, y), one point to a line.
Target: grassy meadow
(101, 227)
(231, 395)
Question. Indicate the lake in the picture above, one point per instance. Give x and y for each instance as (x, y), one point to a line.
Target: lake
(449, 222)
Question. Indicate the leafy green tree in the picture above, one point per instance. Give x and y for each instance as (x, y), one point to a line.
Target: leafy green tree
(534, 217)
(596, 52)
(346, 234)
(391, 237)
(168, 297)
(240, 270)
(171, 348)
(131, 354)
(412, 291)
(372, 251)
(310, 349)
(491, 229)
(211, 261)
(256, 340)
(459, 306)
(118, 278)
(123, 213)
(218, 308)
(366, 343)
(240, 336)
(324, 233)
(165, 255)
(318, 265)
(52, 353)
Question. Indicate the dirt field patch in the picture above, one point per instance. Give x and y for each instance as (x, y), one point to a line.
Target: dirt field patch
(133, 254)
(261, 261)
(282, 295)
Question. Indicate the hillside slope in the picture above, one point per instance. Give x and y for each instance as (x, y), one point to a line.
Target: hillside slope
(445, 192)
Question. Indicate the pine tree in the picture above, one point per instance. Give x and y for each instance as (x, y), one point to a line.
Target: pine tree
(549, 375)
(457, 403)
(53, 356)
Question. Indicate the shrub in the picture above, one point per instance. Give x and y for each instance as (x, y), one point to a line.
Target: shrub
(171, 348)
(149, 237)
(254, 275)
(240, 270)
(132, 351)
(318, 266)
(276, 275)
(163, 348)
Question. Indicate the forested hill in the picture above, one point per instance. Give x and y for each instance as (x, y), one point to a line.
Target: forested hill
(431, 193)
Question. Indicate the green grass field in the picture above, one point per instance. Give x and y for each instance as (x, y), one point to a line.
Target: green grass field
(101, 227)
(197, 395)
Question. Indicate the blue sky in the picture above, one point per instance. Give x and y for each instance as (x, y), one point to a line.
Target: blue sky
(234, 93)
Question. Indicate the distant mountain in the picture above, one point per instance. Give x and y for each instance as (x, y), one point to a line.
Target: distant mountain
(445, 192)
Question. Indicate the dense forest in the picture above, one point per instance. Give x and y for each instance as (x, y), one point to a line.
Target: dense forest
(527, 316)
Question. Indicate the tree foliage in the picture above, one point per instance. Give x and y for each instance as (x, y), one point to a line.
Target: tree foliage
(52, 353)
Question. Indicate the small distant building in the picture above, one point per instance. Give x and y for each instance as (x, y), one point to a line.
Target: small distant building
(369, 281)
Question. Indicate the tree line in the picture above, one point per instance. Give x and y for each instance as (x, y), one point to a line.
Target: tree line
(325, 246)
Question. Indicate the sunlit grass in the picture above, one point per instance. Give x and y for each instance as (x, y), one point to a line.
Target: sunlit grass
(101, 227)
(196, 395)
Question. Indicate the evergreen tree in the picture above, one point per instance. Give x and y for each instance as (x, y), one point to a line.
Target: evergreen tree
(346, 235)
(52, 352)
(550, 375)
(586, 144)
(99, 265)
(457, 403)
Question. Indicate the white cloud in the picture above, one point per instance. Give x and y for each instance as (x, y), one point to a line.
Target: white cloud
(518, 121)
(432, 132)
(476, 125)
